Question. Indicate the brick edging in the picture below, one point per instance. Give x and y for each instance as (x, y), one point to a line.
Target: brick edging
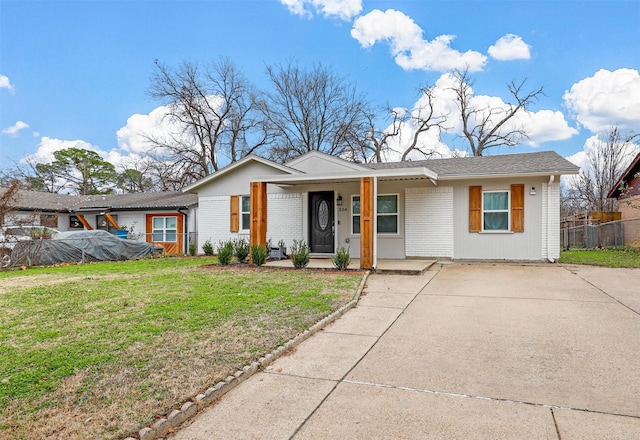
(161, 427)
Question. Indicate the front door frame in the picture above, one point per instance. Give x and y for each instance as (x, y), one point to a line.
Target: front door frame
(329, 196)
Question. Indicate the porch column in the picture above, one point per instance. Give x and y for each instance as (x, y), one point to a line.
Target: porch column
(258, 214)
(367, 222)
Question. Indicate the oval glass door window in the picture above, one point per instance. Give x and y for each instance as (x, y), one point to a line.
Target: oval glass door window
(323, 215)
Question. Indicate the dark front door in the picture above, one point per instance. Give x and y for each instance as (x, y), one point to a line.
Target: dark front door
(321, 234)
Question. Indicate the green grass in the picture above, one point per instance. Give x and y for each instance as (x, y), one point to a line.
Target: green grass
(98, 349)
(608, 257)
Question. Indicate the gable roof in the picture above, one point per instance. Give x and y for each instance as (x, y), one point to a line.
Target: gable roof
(52, 202)
(538, 163)
(234, 165)
(318, 155)
(627, 175)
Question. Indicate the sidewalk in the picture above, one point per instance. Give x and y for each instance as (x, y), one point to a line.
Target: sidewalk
(451, 354)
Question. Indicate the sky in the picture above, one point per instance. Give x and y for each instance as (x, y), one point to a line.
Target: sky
(76, 73)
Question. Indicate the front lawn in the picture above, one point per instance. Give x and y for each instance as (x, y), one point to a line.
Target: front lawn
(96, 350)
(608, 257)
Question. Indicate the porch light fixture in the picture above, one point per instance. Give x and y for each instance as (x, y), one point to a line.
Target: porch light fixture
(533, 191)
(339, 200)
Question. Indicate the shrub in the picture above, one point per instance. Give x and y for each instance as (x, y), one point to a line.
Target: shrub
(342, 258)
(193, 247)
(225, 252)
(299, 254)
(207, 248)
(258, 255)
(241, 249)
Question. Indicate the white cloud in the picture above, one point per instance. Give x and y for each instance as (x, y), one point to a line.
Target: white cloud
(14, 130)
(407, 45)
(5, 83)
(48, 146)
(606, 99)
(132, 137)
(510, 47)
(342, 9)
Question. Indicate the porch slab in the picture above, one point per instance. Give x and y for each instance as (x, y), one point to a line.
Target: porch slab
(387, 267)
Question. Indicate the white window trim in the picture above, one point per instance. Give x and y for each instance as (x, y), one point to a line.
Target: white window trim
(508, 211)
(241, 230)
(164, 229)
(353, 196)
(396, 214)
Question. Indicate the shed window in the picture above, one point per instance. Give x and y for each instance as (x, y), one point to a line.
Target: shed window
(165, 229)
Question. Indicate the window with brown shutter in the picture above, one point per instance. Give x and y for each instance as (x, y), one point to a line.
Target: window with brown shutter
(517, 208)
(475, 208)
(234, 220)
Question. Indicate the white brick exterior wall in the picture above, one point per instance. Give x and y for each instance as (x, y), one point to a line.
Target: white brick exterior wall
(213, 220)
(550, 221)
(553, 221)
(284, 218)
(429, 222)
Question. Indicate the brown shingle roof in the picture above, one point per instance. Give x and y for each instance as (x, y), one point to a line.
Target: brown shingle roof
(51, 202)
(547, 162)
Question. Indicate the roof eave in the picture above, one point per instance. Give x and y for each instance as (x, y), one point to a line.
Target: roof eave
(301, 179)
(506, 175)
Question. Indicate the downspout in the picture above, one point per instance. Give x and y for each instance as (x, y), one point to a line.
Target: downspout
(185, 229)
(375, 222)
(552, 178)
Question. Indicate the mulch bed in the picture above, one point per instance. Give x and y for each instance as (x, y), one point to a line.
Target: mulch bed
(248, 266)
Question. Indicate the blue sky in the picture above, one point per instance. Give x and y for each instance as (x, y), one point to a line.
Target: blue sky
(74, 73)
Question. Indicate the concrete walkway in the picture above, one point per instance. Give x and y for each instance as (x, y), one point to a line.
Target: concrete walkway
(481, 351)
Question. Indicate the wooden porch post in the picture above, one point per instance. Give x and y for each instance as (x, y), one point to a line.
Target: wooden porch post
(258, 214)
(367, 217)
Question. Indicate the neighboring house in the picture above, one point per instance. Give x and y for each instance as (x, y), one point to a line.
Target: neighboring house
(504, 207)
(628, 201)
(165, 219)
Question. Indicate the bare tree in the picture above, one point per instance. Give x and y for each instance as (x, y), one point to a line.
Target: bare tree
(213, 108)
(486, 127)
(605, 165)
(312, 110)
(422, 119)
(374, 145)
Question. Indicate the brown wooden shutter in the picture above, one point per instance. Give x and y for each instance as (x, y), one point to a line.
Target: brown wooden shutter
(475, 208)
(234, 208)
(517, 208)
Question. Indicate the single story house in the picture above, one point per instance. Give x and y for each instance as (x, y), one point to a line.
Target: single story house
(165, 219)
(502, 207)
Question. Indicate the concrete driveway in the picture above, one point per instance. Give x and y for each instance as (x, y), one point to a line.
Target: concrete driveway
(467, 351)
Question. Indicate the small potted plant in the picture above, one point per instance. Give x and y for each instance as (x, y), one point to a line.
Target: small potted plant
(279, 252)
